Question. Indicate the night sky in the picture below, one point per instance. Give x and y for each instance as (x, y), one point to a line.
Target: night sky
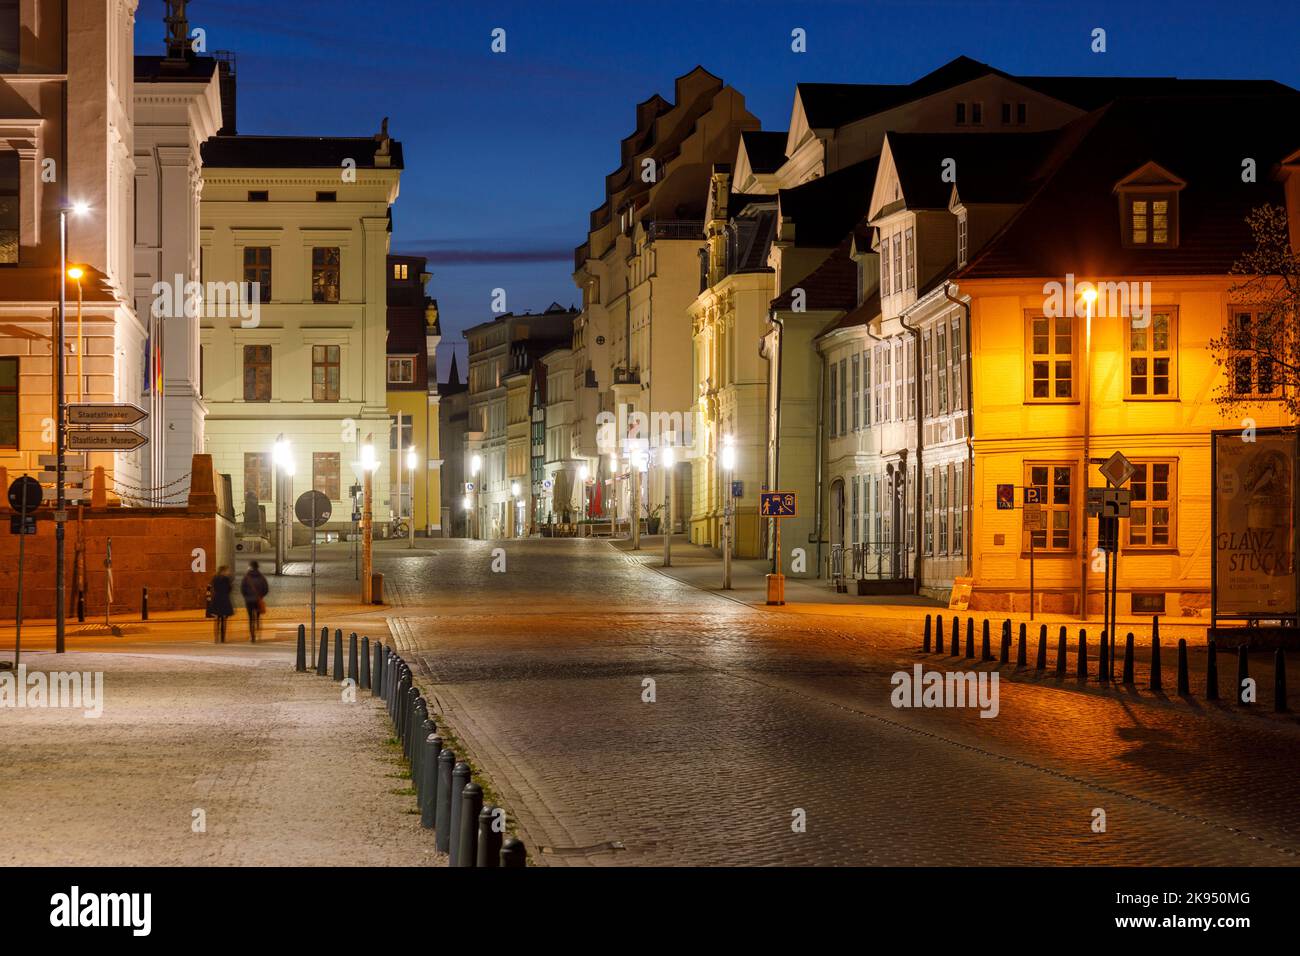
(506, 153)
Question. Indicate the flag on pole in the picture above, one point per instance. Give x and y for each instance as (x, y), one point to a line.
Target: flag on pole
(108, 572)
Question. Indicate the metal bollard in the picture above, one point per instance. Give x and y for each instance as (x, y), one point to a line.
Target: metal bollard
(322, 652)
(442, 801)
(1243, 674)
(399, 697)
(352, 656)
(419, 718)
(1211, 671)
(144, 604)
(1081, 663)
(338, 654)
(1020, 648)
(428, 793)
(471, 799)
(364, 679)
(513, 854)
(1060, 653)
(301, 664)
(1128, 658)
(925, 643)
(1004, 653)
(489, 838)
(970, 638)
(409, 724)
(985, 653)
(1184, 679)
(938, 633)
(459, 780)
(1103, 658)
(377, 671)
(1041, 663)
(1155, 661)
(1279, 681)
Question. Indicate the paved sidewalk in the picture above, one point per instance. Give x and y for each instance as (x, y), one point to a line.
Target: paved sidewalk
(285, 772)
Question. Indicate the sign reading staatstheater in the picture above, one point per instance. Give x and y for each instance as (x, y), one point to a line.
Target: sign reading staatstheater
(1255, 523)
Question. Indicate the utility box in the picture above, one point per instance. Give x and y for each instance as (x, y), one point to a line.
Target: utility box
(376, 588)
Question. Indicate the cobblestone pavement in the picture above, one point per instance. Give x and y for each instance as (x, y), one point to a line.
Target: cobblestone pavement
(761, 713)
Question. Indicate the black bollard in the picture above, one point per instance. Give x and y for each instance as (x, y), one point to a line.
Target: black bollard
(1103, 658)
(427, 729)
(471, 799)
(513, 853)
(418, 732)
(365, 662)
(352, 656)
(1184, 679)
(955, 633)
(1243, 674)
(429, 781)
(925, 642)
(81, 605)
(1021, 660)
(1155, 661)
(1081, 664)
(408, 720)
(377, 671)
(1211, 671)
(1279, 681)
(970, 638)
(144, 604)
(301, 664)
(1060, 653)
(1005, 652)
(442, 812)
(338, 654)
(489, 839)
(1128, 658)
(322, 652)
(1041, 663)
(459, 781)
(985, 653)
(938, 633)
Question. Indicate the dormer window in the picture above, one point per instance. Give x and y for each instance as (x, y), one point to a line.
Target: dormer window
(961, 240)
(1148, 206)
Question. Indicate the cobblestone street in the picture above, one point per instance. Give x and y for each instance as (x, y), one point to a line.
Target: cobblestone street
(759, 713)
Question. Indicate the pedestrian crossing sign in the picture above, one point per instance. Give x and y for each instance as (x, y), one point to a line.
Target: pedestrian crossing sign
(778, 504)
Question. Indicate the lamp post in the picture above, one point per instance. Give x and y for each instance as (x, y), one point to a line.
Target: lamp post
(728, 466)
(75, 273)
(60, 437)
(583, 474)
(613, 484)
(1089, 296)
(514, 504)
(281, 462)
(475, 465)
(411, 460)
(369, 465)
(669, 459)
(637, 461)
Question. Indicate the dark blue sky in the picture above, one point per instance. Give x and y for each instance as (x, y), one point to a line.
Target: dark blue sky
(506, 154)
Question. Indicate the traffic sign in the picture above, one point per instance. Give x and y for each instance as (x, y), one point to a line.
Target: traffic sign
(125, 439)
(1111, 502)
(19, 524)
(69, 477)
(312, 508)
(778, 504)
(1033, 495)
(469, 486)
(1117, 470)
(1006, 497)
(737, 489)
(25, 494)
(123, 413)
(1035, 517)
(50, 462)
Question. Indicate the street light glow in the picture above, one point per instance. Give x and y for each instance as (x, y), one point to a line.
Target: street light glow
(368, 460)
(514, 489)
(728, 453)
(475, 464)
(466, 503)
(411, 458)
(80, 208)
(75, 273)
(583, 474)
(668, 456)
(280, 453)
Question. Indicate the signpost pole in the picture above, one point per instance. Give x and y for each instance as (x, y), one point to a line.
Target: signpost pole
(18, 629)
(1031, 574)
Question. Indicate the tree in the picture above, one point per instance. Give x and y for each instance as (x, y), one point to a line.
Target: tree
(1260, 349)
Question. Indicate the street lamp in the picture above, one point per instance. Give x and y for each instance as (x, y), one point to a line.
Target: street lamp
(411, 460)
(60, 438)
(583, 474)
(613, 484)
(1088, 293)
(669, 459)
(514, 495)
(475, 465)
(638, 467)
(282, 462)
(369, 465)
(75, 273)
(728, 466)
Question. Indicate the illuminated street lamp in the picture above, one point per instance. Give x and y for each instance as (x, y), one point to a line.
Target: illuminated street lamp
(1088, 293)
(668, 459)
(411, 461)
(282, 461)
(475, 466)
(75, 273)
(728, 466)
(583, 474)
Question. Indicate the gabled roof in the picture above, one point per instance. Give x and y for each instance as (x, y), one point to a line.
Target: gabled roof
(1072, 224)
(766, 150)
(987, 167)
(832, 285)
(825, 210)
(864, 314)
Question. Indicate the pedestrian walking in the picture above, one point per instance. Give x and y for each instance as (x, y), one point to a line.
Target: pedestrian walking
(221, 607)
(254, 589)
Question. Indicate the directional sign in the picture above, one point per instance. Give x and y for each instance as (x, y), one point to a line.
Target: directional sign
(100, 414)
(1109, 502)
(108, 440)
(1006, 497)
(69, 477)
(1117, 470)
(50, 462)
(778, 504)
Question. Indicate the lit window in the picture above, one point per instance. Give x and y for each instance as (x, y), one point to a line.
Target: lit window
(1151, 358)
(325, 274)
(1150, 514)
(1151, 220)
(961, 240)
(1050, 373)
(324, 373)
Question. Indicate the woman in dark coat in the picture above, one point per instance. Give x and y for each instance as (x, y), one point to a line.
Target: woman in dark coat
(254, 589)
(222, 609)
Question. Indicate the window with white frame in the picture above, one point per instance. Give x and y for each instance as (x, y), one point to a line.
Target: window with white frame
(909, 266)
(857, 404)
(401, 369)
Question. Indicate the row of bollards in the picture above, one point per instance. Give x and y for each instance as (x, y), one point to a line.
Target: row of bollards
(934, 635)
(449, 802)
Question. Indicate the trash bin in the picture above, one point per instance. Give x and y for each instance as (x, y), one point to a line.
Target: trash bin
(376, 588)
